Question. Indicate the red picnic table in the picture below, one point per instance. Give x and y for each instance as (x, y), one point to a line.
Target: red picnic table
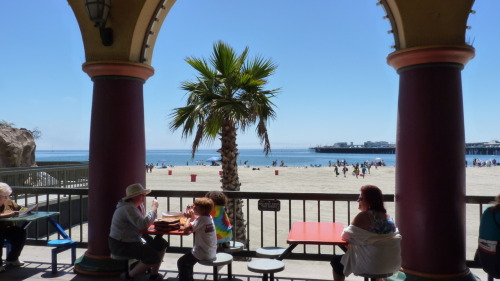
(314, 233)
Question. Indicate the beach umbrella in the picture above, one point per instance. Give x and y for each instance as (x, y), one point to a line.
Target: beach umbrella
(213, 159)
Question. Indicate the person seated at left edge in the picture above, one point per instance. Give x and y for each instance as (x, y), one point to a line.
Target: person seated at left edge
(9, 230)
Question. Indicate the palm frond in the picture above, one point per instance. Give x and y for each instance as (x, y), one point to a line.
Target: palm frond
(228, 89)
(260, 68)
(263, 136)
(198, 138)
(201, 66)
(224, 59)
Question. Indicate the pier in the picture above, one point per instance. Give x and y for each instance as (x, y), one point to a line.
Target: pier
(482, 150)
(358, 150)
(470, 149)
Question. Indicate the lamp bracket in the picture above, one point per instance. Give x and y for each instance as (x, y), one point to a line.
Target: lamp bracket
(106, 36)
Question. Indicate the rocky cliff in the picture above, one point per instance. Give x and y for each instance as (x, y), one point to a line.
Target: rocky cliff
(17, 147)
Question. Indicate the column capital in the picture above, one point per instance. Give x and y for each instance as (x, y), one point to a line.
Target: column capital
(118, 68)
(430, 54)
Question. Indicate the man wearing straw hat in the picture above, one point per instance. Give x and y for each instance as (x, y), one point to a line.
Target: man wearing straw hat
(124, 239)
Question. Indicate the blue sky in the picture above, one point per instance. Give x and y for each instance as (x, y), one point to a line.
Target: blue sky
(336, 84)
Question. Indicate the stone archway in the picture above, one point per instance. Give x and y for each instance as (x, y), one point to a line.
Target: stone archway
(429, 42)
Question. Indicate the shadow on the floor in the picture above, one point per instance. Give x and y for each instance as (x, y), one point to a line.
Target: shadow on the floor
(37, 271)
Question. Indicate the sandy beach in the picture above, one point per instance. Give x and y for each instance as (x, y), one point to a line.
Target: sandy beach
(479, 181)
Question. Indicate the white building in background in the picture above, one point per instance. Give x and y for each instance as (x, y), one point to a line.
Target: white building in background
(340, 144)
(376, 144)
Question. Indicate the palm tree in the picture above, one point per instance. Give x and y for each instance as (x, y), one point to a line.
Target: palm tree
(228, 95)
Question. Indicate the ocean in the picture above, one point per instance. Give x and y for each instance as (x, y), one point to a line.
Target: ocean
(254, 157)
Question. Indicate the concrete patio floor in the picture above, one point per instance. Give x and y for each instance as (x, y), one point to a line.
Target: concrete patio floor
(38, 259)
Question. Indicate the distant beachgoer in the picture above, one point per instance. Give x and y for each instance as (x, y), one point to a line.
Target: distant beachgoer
(356, 170)
(147, 168)
(336, 170)
(344, 170)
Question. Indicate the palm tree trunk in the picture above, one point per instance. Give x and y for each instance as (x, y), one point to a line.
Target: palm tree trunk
(230, 179)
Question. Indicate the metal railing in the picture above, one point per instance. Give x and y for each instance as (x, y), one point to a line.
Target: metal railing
(63, 176)
(263, 228)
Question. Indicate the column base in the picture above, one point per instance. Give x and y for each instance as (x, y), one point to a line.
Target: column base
(416, 276)
(99, 265)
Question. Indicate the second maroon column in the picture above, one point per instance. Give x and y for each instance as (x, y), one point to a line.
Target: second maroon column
(430, 163)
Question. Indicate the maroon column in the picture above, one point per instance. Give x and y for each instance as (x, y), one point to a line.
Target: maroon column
(117, 151)
(430, 162)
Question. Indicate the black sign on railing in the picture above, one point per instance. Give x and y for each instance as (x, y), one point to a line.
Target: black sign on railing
(269, 205)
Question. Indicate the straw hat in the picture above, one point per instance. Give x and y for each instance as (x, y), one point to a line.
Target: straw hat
(134, 190)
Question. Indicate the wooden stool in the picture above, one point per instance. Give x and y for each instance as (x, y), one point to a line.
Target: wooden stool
(373, 277)
(266, 266)
(129, 262)
(220, 260)
(270, 252)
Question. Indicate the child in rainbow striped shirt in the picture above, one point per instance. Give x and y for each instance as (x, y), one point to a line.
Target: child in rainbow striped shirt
(222, 223)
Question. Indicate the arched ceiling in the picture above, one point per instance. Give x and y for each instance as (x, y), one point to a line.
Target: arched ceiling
(135, 25)
(422, 23)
